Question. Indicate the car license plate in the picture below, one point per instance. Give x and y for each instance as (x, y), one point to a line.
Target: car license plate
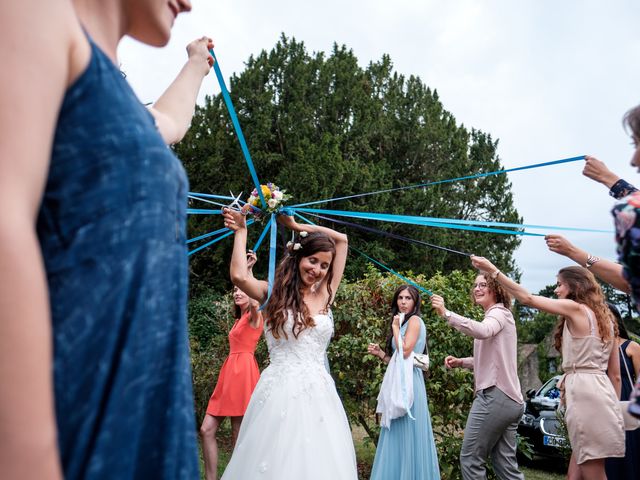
(553, 441)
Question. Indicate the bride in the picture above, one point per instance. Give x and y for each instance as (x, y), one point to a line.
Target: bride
(295, 426)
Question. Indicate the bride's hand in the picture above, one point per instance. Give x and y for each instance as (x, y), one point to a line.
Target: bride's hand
(233, 219)
(288, 222)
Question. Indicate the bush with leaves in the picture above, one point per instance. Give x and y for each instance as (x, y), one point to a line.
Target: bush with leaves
(362, 315)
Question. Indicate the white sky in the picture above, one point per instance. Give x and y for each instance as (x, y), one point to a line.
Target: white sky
(549, 79)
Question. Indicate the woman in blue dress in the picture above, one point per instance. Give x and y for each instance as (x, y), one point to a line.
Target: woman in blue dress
(93, 258)
(406, 450)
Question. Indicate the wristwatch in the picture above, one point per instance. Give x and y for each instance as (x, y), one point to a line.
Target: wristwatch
(447, 314)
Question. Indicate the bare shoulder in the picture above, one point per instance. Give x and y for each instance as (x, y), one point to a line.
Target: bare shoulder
(43, 50)
(415, 321)
(633, 348)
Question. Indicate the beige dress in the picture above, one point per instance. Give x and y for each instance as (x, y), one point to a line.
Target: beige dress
(594, 421)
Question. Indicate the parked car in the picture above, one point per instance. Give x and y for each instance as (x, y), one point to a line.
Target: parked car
(539, 423)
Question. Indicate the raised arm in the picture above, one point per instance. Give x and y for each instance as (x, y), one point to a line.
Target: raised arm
(410, 336)
(241, 275)
(598, 171)
(36, 38)
(606, 270)
(564, 307)
(489, 327)
(340, 240)
(174, 109)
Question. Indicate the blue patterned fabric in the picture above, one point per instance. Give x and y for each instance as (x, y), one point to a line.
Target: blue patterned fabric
(112, 232)
(407, 451)
(627, 222)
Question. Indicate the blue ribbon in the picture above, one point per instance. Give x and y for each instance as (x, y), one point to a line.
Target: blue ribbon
(207, 235)
(272, 258)
(236, 126)
(202, 211)
(457, 179)
(391, 235)
(262, 235)
(215, 240)
(209, 195)
(450, 222)
(390, 270)
(412, 220)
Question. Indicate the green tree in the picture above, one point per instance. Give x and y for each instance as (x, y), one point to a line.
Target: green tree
(322, 126)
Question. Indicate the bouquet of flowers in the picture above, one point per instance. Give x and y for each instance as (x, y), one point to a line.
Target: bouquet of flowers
(272, 194)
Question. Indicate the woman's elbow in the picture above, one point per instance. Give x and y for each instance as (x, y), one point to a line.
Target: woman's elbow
(238, 279)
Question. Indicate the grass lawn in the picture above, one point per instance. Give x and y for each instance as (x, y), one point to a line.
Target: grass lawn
(365, 452)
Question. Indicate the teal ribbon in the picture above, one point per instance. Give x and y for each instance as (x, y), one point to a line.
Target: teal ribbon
(449, 222)
(262, 235)
(203, 211)
(272, 257)
(412, 220)
(237, 128)
(390, 270)
(215, 240)
(450, 180)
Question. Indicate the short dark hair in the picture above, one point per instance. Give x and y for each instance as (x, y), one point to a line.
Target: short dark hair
(631, 121)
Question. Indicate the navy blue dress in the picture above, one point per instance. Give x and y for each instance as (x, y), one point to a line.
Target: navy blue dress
(627, 467)
(112, 232)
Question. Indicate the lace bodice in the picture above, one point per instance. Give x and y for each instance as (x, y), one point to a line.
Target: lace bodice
(309, 347)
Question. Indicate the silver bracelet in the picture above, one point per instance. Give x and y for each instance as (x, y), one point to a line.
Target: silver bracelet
(591, 260)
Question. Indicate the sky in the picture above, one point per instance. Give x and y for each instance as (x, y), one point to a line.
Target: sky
(548, 79)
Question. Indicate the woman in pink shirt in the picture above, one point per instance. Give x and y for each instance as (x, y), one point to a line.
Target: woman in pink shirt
(498, 405)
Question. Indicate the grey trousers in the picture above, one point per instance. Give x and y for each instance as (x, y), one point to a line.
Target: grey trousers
(491, 431)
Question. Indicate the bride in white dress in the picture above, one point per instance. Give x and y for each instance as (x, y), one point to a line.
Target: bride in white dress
(295, 427)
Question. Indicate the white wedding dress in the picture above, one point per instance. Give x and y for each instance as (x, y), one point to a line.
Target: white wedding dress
(295, 427)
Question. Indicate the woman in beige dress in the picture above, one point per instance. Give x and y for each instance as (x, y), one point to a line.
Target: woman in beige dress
(585, 335)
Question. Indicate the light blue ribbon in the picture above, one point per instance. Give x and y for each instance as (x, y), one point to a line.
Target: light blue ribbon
(272, 258)
(209, 195)
(450, 180)
(262, 235)
(390, 270)
(412, 220)
(449, 222)
(236, 126)
(207, 235)
(215, 240)
(203, 211)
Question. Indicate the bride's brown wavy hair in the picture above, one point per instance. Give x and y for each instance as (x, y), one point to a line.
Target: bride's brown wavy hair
(287, 286)
(583, 288)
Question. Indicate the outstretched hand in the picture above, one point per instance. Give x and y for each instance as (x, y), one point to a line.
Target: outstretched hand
(598, 171)
(559, 244)
(452, 362)
(483, 264)
(437, 302)
(288, 222)
(233, 219)
(198, 52)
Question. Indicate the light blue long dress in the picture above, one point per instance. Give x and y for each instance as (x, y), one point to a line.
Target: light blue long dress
(406, 451)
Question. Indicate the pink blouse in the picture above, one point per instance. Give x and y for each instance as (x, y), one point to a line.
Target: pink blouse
(495, 350)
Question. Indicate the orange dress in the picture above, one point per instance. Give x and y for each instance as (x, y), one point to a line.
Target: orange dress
(239, 373)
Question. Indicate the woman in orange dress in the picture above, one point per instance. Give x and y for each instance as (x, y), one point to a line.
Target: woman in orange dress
(236, 381)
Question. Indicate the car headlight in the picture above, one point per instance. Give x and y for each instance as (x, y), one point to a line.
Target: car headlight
(527, 420)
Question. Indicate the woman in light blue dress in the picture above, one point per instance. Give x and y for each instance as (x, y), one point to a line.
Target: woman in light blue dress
(406, 450)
